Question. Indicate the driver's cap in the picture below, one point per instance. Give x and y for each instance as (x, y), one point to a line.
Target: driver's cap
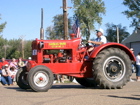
(100, 30)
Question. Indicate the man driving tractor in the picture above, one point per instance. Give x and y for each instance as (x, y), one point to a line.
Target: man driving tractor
(101, 39)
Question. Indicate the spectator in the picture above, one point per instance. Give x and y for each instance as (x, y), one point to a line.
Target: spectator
(2, 79)
(0, 75)
(2, 63)
(13, 73)
(20, 63)
(131, 80)
(6, 76)
(138, 67)
(60, 78)
(14, 63)
(29, 58)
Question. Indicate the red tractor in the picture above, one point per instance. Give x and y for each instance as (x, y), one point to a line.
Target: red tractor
(109, 65)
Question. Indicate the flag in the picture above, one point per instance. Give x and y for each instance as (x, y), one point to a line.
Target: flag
(76, 28)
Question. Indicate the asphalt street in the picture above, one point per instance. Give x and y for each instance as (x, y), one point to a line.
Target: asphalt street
(71, 94)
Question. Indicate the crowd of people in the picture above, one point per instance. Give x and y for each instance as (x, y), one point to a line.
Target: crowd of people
(8, 70)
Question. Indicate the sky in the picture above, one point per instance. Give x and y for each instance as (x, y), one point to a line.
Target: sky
(23, 17)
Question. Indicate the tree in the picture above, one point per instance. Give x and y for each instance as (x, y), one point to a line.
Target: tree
(2, 26)
(28, 48)
(133, 11)
(3, 42)
(14, 51)
(89, 13)
(3, 46)
(57, 30)
(112, 32)
(50, 33)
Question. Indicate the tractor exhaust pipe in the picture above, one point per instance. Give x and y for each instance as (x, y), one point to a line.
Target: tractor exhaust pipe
(41, 29)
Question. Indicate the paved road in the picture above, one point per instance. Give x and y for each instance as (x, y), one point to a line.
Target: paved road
(71, 94)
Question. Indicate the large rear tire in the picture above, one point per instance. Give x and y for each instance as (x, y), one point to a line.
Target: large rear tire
(40, 78)
(21, 79)
(86, 82)
(112, 68)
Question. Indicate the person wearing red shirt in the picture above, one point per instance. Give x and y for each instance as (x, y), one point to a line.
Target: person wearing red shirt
(3, 63)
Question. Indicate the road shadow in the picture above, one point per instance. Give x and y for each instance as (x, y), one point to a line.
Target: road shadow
(133, 97)
(55, 86)
(19, 89)
(66, 86)
(72, 86)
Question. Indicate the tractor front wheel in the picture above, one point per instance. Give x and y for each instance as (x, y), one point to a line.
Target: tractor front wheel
(40, 78)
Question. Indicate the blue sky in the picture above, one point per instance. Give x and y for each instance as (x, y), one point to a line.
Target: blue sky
(23, 16)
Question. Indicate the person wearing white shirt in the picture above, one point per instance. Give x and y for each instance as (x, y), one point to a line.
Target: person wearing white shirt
(138, 67)
(13, 73)
(6, 76)
(101, 39)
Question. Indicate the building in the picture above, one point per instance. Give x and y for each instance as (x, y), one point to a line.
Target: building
(133, 41)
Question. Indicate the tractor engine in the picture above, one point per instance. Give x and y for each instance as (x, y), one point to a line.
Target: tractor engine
(60, 57)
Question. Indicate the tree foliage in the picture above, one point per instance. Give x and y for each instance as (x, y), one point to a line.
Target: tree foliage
(89, 13)
(133, 11)
(28, 48)
(112, 32)
(2, 25)
(12, 48)
(50, 33)
(57, 30)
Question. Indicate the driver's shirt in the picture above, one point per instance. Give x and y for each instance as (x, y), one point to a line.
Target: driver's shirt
(100, 39)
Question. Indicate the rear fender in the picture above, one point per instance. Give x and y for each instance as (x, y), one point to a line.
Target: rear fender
(95, 52)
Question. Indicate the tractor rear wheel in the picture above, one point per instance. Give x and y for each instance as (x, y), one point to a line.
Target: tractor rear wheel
(86, 82)
(40, 78)
(21, 79)
(112, 68)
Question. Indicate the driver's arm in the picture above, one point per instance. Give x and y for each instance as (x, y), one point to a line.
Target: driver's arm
(94, 42)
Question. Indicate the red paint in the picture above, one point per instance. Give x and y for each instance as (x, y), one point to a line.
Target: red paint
(70, 59)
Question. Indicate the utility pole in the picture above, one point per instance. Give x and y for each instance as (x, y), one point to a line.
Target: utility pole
(22, 45)
(5, 50)
(65, 19)
(117, 34)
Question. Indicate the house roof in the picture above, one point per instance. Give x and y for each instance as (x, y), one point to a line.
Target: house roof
(133, 38)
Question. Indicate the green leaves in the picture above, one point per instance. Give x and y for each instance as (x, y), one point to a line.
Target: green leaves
(89, 13)
(2, 25)
(112, 33)
(12, 48)
(133, 11)
(57, 30)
